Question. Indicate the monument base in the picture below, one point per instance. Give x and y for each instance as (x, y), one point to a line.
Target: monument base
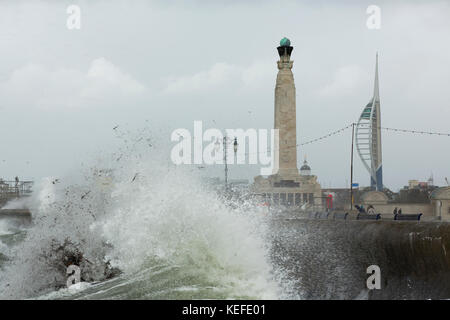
(290, 190)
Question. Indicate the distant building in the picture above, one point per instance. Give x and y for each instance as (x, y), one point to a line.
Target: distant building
(340, 197)
(305, 169)
(433, 202)
(413, 184)
(440, 199)
(416, 184)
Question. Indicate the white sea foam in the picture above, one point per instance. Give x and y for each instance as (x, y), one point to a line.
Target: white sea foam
(157, 223)
(171, 218)
(17, 204)
(5, 228)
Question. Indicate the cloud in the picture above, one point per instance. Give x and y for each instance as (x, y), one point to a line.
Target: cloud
(346, 80)
(222, 75)
(260, 73)
(218, 74)
(104, 76)
(37, 86)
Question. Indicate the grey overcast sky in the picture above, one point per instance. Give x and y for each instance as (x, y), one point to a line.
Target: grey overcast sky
(172, 62)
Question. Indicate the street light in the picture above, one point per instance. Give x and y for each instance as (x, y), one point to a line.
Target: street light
(225, 150)
(216, 145)
(440, 209)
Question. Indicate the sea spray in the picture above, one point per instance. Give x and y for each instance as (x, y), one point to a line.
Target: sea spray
(169, 236)
(61, 225)
(173, 221)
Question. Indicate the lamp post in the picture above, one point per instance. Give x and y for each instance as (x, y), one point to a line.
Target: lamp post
(225, 154)
(351, 168)
(225, 161)
(440, 209)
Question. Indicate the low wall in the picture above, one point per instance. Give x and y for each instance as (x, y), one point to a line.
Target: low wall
(425, 208)
(328, 259)
(21, 216)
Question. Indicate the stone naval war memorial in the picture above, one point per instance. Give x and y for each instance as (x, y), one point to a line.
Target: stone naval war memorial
(286, 186)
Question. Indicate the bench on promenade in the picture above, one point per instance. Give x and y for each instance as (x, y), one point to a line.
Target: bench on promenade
(368, 216)
(340, 216)
(408, 217)
(323, 215)
(314, 215)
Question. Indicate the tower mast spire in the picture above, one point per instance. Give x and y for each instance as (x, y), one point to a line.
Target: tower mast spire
(368, 132)
(377, 183)
(376, 89)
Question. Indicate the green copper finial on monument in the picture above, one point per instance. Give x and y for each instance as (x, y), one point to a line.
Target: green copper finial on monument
(285, 42)
(285, 48)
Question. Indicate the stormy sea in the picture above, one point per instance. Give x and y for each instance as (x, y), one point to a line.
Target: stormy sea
(139, 227)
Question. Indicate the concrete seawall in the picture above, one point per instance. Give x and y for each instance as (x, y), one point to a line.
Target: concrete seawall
(17, 215)
(328, 258)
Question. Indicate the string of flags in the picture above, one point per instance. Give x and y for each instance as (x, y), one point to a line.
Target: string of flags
(326, 136)
(314, 140)
(417, 132)
(406, 130)
(362, 125)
